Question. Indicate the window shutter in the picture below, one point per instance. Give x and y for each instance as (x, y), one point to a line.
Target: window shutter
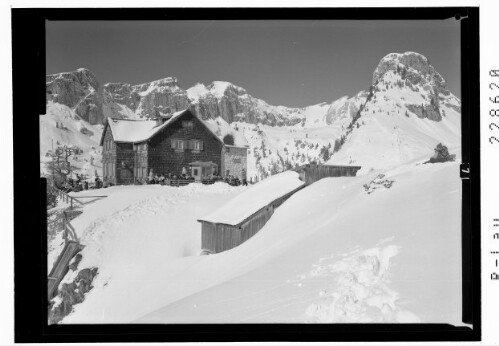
(200, 145)
(174, 144)
(191, 144)
(186, 144)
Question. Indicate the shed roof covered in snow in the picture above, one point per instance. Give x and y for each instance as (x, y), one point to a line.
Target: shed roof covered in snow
(255, 198)
(136, 131)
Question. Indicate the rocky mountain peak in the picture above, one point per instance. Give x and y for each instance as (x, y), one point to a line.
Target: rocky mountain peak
(412, 66)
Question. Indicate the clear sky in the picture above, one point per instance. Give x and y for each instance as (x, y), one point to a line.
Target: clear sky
(284, 62)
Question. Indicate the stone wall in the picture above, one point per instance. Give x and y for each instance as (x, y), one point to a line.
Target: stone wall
(235, 161)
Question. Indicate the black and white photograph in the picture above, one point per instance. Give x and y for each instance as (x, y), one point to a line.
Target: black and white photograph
(239, 174)
(250, 171)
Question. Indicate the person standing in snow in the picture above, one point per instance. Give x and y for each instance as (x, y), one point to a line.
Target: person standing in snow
(245, 182)
(151, 177)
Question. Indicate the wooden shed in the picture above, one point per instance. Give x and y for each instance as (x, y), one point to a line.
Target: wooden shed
(218, 237)
(242, 217)
(310, 173)
(220, 233)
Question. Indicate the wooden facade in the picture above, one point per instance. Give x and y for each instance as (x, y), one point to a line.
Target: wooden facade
(165, 157)
(218, 237)
(184, 145)
(310, 173)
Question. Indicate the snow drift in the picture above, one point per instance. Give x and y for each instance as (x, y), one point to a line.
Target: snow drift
(331, 253)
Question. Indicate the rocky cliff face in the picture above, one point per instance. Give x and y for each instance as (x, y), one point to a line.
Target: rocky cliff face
(412, 70)
(78, 90)
(233, 103)
(81, 91)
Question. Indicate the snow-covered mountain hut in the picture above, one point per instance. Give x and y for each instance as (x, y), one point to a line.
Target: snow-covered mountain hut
(171, 144)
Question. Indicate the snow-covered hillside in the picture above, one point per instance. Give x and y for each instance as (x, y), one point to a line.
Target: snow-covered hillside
(382, 247)
(62, 126)
(408, 112)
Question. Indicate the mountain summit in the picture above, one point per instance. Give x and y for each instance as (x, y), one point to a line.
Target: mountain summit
(408, 111)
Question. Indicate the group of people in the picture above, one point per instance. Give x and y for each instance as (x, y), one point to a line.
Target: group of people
(235, 181)
(163, 179)
(79, 184)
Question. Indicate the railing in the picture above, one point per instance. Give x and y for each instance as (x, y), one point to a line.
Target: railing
(69, 231)
(70, 199)
(177, 182)
(183, 182)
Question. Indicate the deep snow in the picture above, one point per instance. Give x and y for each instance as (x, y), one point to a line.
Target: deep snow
(331, 253)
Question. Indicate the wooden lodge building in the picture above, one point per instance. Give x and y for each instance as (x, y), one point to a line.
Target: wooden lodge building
(171, 144)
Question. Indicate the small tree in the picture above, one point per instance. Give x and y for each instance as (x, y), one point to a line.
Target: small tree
(228, 139)
(441, 154)
(59, 168)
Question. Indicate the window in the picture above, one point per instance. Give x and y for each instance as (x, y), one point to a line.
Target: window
(178, 144)
(196, 144)
(237, 160)
(108, 145)
(187, 124)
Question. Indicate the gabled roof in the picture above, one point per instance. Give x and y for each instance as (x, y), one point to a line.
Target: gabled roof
(136, 131)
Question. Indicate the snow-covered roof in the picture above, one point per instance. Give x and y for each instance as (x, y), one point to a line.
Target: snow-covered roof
(134, 131)
(125, 130)
(255, 198)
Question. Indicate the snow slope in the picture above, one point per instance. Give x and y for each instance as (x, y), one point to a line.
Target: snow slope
(139, 237)
(71, 135)
(333, 253)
